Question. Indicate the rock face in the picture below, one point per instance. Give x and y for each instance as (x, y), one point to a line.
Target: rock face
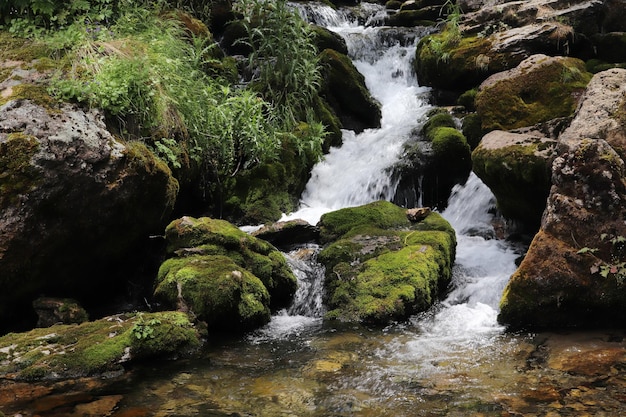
(558, 284)
(380, 266)
(74, 202)
(222, 275)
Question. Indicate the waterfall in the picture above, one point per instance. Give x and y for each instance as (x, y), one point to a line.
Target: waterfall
(359, 172)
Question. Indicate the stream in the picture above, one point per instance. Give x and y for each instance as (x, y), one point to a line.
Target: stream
(452, 360)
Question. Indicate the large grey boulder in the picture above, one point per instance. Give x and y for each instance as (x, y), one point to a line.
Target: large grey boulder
(75, 203)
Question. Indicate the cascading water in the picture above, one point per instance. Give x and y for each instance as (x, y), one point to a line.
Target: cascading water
(358, 172)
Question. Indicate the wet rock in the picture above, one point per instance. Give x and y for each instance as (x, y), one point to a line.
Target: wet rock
(344, 89)
(557, 284)
(222, 275)
(380, 266)
(53, 311)
(517, 169)
(286, 234)
(75, 203)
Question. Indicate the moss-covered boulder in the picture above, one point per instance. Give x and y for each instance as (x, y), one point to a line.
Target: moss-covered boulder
(215, 289)
(382, 267)
(450, 61)
(96, 348)
(327, 39)
(262, 194)
(433, 164)
(344, 89)
(75, 202)
(517, 169)
(224, 276)
(573, 273)
(539, 89)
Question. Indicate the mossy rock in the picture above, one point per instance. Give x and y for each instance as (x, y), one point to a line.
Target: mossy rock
(216, 289)
(94, 348)
(262, 194)
(205, 236)
(379, 214)
(540, 89)
(380, 266)
(472, 129)
(407, 17)
(17, 173)
(345, 91)
(327, 39)
(517, 169)
(448, 61)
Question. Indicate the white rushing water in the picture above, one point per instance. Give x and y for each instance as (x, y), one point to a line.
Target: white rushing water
(357, 173)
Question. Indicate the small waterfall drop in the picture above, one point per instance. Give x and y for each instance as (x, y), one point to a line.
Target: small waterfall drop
(358, 172)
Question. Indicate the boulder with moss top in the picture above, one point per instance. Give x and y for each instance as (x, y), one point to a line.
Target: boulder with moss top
(539, 89)
(573, 274)
(75, 203)
(344, 89)
(516, 166)
(97, 348)
(439, 159)
(222, 275)
(382, 267)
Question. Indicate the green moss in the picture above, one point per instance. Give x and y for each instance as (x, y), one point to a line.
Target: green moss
(545, 93)
(518, 177)
(439, 118)
(381, 270)
(65, 351)
(380, 214)
(38, 94)
(446, 60)
(449, 142)
(20, 49)
(390, 286)
(205, 236)
(472, 129)
(17, 173)
(143, 160)
(467, 99)
(216, 289)
(169, 332)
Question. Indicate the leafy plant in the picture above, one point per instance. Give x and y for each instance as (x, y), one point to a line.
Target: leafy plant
(284, 56)
(617, 264)
(441, 43)
(143, 329)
